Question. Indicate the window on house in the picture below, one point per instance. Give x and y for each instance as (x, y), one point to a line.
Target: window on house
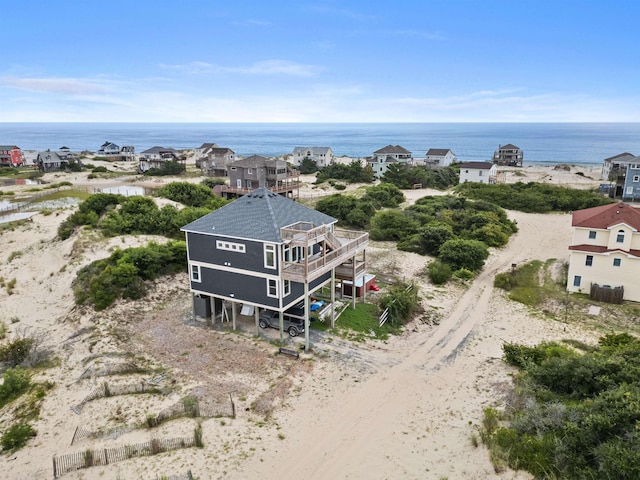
(287, 288)
(272, 288)
(480, 173)
(636, 178)
(195, 273)
(629, 191)
(287, 253)
(230, 246)
(592, 234)
(589, 261)
(577, 279)
(269, 256)
(620, 237)
(617, 262)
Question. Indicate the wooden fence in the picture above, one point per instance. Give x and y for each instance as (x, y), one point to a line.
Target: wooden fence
(606, 294)
(105, 456)
(107, 390)
(188, 407)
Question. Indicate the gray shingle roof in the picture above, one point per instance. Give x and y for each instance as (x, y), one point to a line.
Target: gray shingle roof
(159, 150)
(628, 155)
(258, 215)
(476, 165)
(314, 150)
(508, 146)
(392, 149)
(438, 151)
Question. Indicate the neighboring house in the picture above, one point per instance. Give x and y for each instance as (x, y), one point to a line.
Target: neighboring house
(155, 157)
(439, 157)
(49, 161)
(117, 153)
(202, 153)
(255, 172)
(605, 250)
(264, 251)
(616, 166)
(323, 156)
(11, 156)
(108, 149)
(508, 156)
(480, 172)
(631, 189)
(385, 156)
(217, 161)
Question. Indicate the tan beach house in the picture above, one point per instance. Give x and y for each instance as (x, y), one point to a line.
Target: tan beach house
(605, 251)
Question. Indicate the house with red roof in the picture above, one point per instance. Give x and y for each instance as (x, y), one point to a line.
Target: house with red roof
(606, 250)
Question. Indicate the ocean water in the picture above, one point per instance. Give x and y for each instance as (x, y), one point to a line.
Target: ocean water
(542, 143)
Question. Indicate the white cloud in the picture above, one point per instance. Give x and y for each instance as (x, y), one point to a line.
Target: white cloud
(265, 67)
(191, 67)
(64, 86)
(275, 67)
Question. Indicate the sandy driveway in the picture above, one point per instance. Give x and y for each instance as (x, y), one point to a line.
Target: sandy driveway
(413, 417)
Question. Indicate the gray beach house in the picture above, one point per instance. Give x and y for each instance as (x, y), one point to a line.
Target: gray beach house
(264, 251)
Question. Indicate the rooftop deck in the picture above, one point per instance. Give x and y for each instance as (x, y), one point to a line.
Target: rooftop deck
(339, 248)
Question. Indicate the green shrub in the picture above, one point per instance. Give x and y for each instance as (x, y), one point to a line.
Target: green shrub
(15, 352)
(439, 273)
(391, 225)
(16, 382)
(533, 197)
(187, 193)
(100, 169)
(16, 436)
(468, 254)
(403, 301)
(213, 181)
(463, 274)
(124, 272)
(170, 167)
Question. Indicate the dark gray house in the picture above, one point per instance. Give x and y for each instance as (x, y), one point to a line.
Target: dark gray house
(259, 172)
(631, 190)
(265, 251)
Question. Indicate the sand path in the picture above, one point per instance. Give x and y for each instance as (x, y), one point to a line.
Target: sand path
(359, 434)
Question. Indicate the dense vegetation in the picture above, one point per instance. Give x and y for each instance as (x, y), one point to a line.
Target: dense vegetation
(192, 195)
(573, 415)
(19, 356)
(403, 301)
(123, 274)
(171, 167)
(533, 197)
(404, 176)
(353, 173)
(455, 230)
(357, 212)
(117, 215)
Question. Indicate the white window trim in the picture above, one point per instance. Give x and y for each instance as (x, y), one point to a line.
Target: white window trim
(286, 289)
(198, 273)
(231, 246)
(269, 248)
(272, 283)
(619, 260)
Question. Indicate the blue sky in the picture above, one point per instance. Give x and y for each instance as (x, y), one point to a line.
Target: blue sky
(320, 61)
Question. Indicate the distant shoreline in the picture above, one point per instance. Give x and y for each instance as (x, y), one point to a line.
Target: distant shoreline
(542, 143)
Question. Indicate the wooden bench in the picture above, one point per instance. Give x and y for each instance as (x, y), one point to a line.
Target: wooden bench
(287, 351)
